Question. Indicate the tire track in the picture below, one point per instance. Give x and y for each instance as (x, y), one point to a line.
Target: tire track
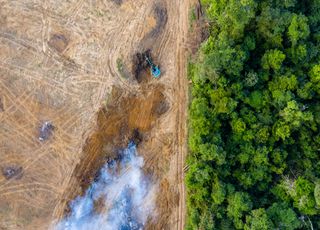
(117, 33)
(182, 110)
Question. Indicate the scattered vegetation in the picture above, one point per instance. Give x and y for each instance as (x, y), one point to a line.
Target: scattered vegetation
(254, 137)
(121, 68)
(192, 17)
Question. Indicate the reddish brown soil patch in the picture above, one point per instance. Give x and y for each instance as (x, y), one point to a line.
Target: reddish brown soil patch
(127, 117)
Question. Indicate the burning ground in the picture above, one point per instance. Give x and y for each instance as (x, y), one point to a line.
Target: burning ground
(121, 197)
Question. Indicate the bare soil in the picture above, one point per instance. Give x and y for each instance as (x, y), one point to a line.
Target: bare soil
(59, 62)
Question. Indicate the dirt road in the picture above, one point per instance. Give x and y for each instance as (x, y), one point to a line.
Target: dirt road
(71, 63)
(182, 111)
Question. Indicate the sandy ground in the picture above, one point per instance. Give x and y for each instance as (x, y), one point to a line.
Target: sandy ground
(71, 63)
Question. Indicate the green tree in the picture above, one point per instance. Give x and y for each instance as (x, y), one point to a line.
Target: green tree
(251, 79)
(315, 74)
(286, 3)
(281, 130)
(262, 136)
(258, 220)
(298, 29)
(271, 24)
(218, 191)
(206, 221)
(239, 204)
(317, 193)
(231, 16)
(302, 193)
(283, 217)
(304, 196)
(293, 115)
(298, 54)
(272, 59)
(238, 126)
(224, 57)
(255, 100)
(314, 15)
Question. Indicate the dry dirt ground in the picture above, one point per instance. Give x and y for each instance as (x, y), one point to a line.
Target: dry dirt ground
(73, 63)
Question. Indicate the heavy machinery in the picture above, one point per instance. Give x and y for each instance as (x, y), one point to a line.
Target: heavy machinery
(155, 70)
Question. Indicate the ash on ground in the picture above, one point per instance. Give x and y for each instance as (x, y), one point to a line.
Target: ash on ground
(12, 172)
(123, 189)
(46, 131)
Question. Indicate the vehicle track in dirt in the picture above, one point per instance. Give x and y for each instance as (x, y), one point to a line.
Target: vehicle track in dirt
(58, 62)
(182, 81)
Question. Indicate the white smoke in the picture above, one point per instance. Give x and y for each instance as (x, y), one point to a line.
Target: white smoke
(126, 195)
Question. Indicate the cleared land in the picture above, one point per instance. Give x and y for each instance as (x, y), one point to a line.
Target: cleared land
(73, 63)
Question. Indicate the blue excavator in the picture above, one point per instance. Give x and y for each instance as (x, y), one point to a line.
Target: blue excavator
(155, 70)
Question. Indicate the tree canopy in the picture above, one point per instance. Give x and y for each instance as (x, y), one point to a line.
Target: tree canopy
(254, 118)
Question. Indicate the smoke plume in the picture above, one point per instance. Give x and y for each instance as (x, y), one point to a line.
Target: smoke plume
(125, 193)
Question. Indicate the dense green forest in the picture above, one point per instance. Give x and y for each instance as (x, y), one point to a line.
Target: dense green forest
(254, 117)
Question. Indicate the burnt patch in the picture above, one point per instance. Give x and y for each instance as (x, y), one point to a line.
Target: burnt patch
(153, 37)
(140, 66)
(45, 131)
(161, 107)
(11, 172)
(59, 42)
(161, 15)
(141, 69)
(117, 2)
(1, 105)
(136, 137)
